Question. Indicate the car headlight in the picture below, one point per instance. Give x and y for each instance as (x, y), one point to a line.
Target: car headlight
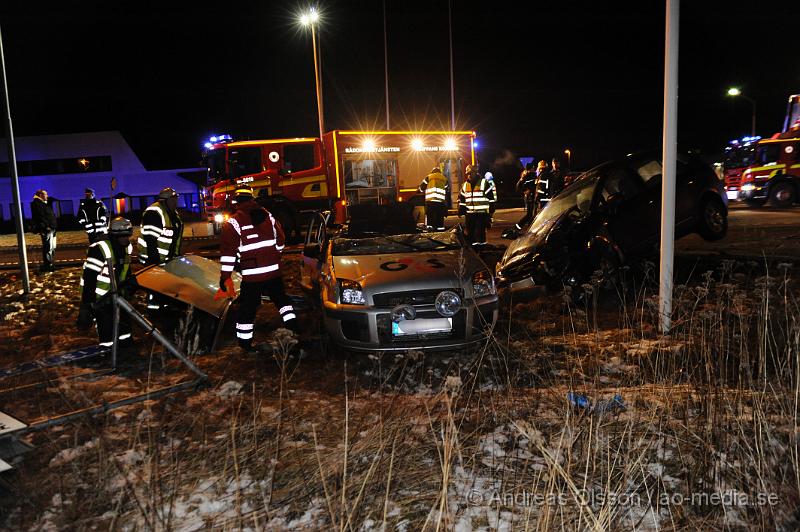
(483, 284)
(219, 218)
(351, 293)
(447, 303)
(748, 187)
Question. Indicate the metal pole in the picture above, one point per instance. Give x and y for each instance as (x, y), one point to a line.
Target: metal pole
(386, 64)
(753, 125)
(115, 324)
(318, 83)
(669, 156)
(452, 91)
(12, 167)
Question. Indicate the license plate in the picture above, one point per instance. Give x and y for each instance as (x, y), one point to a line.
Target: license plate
(732, 194)
(422, 326)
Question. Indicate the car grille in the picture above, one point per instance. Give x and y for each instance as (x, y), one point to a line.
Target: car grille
(410, 297)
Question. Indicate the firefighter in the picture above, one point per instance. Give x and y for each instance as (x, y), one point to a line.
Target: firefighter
(96, 281)
(543, 182)
(489, 177)
(257, 238)
(476, 201)
(436, 188)
(526, 185)
(93, 216)
(162, 230)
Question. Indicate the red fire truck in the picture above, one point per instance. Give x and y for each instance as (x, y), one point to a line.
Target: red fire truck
(768, 169)
(342, 168)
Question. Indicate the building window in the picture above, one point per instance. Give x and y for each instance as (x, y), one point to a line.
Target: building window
(72, 165)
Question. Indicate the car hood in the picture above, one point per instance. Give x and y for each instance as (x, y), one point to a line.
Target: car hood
(409, 271)
(519, 255)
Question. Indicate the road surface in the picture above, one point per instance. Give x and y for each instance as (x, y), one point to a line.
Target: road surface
(752, 233)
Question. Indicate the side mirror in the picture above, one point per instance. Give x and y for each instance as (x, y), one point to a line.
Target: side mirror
(284, 172)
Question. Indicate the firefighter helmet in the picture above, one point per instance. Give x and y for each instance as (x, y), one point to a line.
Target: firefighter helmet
(120, 227)
(489, 176)
(243, 190)
(436, 169)
(471, 169)
(167, 193)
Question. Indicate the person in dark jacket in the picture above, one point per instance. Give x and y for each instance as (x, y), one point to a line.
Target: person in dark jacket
(44, 223)
(93, 216)
(557, 181)
(527, 186)
(255, 238)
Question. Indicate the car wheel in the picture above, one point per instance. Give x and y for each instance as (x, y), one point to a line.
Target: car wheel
(782, 195)
(713, 223)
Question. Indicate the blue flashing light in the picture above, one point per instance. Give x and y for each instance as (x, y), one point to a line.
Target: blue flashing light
(208, 145)
(220, 138)
(475, 144)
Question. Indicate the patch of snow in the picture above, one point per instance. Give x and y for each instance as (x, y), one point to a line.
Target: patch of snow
(229, 389)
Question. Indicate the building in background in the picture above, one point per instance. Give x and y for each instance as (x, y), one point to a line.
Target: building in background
(65, 165)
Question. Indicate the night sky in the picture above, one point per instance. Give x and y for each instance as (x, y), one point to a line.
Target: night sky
(531, 79)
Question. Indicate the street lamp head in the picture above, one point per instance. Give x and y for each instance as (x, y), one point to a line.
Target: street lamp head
(734, 91)
(309, 18)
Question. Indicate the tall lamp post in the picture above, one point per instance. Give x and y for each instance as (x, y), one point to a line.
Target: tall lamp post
(735, 91)
(311, 19)
(568, 153)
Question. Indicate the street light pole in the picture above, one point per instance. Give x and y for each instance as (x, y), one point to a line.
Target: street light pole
(452, 90)
(12, 171)
(310, 19)
(386, 65)
(568, 153)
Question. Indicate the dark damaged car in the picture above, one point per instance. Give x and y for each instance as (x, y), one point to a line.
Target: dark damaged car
(385, 288)
(609, 215)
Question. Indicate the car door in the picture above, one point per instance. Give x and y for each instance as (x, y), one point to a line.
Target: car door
(314, 249)
(688, 185)
(631, 209)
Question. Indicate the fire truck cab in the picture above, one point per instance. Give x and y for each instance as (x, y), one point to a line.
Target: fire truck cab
(774, 176)
(290, 176)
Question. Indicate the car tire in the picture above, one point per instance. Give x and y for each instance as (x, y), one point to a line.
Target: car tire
(782, 195)
(713, 223)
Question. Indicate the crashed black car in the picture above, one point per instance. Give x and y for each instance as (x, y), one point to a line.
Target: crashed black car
(609, 215)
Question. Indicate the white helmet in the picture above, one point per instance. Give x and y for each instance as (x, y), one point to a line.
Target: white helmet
(489, 176)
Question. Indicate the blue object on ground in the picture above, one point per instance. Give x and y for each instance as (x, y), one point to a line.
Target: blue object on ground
(583, 402)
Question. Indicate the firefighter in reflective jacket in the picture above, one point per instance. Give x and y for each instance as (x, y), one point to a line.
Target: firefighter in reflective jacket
(257, 238)
(96, 281)
(162, 230)
(436, 189)
(477, 202)
(93, 217)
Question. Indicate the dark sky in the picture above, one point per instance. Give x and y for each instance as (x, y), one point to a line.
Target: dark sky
(532, 78)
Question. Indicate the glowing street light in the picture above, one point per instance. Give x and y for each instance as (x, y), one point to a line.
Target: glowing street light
(568, 153)
(311, 19)
(736, 92)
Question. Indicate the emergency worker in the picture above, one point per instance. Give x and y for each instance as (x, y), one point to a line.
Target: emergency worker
(542, 185)
(476, 201)
(557, 177)
(489, 177)
(527, 186)
(96, 282)
(257, 238)
(162, 230)
(93, 216)
(436, 188)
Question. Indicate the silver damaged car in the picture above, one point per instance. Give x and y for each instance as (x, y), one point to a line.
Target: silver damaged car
(387, 290)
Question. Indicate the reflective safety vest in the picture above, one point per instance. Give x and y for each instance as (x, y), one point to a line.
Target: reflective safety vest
(258, 246)
(435, 187)
(477, 198)
(94, 218)
(100, 267)
(164, 235)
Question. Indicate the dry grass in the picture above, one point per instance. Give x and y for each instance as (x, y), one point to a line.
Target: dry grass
(463, 441)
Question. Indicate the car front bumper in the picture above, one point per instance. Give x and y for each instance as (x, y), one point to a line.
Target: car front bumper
(370, 328)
